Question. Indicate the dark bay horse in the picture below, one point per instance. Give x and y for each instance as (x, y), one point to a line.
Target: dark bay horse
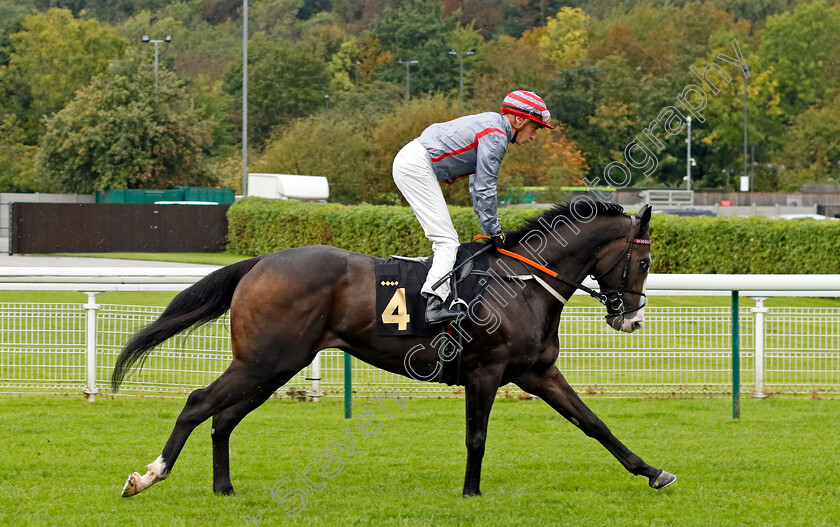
(287, 306)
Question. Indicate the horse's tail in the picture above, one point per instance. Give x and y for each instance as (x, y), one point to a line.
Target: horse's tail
(207, 299)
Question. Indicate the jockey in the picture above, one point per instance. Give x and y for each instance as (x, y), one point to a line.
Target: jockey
(473, 145)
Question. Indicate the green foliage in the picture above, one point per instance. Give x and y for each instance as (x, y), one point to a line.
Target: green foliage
(680, 244)
(17, 160)
(744, 245)
(121, 132)
(565, 37)
(259, 226)
(802, 45)
(811, 152)
(720, 141)
(419, 31)
(322, 146)
(284, 82)
(605, 68)
(54, 55)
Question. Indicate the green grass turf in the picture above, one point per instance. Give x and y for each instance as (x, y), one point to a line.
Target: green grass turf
(64, 463)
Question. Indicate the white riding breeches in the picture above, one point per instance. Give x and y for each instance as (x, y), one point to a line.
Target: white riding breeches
(414, 176)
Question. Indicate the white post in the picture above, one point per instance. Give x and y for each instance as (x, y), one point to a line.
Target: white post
(90, 340)
(759, 311)
(315, 391)
(688, 156)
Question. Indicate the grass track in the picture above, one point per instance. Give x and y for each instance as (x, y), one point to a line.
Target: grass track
(65, 462)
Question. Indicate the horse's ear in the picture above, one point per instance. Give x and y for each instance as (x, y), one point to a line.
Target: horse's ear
(644, 220)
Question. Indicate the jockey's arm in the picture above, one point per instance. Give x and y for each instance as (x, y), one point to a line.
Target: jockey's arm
(491, 149)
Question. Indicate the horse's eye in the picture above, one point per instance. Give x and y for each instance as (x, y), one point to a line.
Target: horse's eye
(645, 265)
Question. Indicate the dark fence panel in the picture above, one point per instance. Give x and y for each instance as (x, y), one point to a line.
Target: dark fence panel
(119, 227)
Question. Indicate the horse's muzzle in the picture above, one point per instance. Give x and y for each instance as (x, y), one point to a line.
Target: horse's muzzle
(627, 325)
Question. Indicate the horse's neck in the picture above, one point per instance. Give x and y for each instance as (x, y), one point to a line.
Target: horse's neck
(576, 258)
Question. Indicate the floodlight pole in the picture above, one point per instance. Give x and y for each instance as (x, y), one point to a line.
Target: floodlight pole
(244, 97)
(408, 64)
(688, 155)
(461, 76)
(146, 39)
(746, 75)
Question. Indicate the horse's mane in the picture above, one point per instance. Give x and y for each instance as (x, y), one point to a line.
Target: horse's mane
(583, 208)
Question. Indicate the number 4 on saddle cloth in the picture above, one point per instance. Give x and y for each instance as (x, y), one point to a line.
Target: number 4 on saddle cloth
(400, 308)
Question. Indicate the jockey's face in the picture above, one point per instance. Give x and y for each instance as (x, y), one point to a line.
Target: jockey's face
(527, 130)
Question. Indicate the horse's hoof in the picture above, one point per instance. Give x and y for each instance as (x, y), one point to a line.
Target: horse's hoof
(130, 487)
(227, 491)
(662, 480)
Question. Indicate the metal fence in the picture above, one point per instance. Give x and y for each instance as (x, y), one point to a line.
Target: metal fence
(685, 351)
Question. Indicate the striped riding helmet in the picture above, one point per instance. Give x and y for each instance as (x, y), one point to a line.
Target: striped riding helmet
(527, 104)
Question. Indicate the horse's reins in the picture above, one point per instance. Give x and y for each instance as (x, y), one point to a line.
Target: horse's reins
(603, 296)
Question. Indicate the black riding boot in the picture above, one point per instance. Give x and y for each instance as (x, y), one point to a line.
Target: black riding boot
(437, 312)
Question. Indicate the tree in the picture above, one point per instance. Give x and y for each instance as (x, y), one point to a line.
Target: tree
(811, 152)
(275, 17)
(720, 141)
(551, 160)
(17, 159)
(508, 64)
(524, 15)
(756, 10)
(565, 38)
(419, 31)
(285, 82)
(485, 15)
(322, 145)
(52, 57)
(803, 45)
(394, 131)
(120, 132)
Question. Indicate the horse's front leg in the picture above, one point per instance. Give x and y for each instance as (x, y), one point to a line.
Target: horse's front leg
(481, 390)
(551, 386)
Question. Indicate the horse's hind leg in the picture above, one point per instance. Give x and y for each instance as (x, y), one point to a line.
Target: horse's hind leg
(223, 424)
(551, 386)
(237, 381)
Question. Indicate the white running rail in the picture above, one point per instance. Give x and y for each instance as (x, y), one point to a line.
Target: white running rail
(682, 351)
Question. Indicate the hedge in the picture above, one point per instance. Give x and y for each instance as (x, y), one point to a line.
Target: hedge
(680, 244)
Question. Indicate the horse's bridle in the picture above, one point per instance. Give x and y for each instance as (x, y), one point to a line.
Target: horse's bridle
(613, 300)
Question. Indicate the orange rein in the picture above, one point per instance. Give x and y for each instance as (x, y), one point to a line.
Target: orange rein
(515, 256)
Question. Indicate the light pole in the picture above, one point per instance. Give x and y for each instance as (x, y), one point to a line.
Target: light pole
(688, 155)
(461, 76)
(746, 75)
(408, 64)
(244, 97)
(357, 73)
(146, 39)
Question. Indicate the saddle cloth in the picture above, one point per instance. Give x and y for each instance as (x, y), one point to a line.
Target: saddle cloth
(401, 309)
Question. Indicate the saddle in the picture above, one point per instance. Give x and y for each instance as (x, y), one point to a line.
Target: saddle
(400, 308)
(399, 304)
